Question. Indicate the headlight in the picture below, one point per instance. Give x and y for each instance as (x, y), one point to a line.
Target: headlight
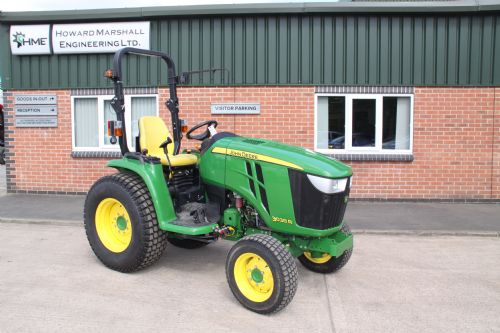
(328, 185)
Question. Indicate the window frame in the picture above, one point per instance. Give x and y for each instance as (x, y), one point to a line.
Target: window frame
(100, 122)
(348, 149)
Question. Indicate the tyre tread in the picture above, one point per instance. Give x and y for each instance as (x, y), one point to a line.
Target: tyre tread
(287, 264)
(154, 238)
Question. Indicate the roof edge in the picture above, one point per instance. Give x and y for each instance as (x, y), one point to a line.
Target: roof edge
(359, 7)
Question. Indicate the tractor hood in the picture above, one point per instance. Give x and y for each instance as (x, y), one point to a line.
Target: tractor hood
(293, 157)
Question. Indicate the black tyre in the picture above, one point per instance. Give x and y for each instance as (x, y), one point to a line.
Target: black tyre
(261, 273)
(2, 155)
(121, 225)
(189, 244)
(327, 263)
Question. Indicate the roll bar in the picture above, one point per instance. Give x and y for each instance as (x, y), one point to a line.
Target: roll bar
(118, 101)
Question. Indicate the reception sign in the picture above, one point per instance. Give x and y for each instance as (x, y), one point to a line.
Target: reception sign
(35, 110)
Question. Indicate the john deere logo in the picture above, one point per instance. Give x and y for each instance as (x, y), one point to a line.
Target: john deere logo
(21, 40)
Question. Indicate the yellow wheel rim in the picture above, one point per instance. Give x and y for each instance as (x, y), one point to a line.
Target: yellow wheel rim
(253, 277)
(113, 225)
(321, 260)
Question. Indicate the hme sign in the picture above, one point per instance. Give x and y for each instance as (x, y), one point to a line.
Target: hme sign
(30, 39)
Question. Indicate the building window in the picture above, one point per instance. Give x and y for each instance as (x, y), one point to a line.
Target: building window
(366, 124)
(92, 113)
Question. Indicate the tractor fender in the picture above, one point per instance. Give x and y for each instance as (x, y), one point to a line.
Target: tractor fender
(152, 175)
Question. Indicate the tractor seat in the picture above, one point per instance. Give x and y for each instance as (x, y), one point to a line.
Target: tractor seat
(152, 133)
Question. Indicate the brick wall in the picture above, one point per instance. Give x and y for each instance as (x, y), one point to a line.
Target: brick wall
(453, 150)
(287, 113)
(39, 159)
(456, 142)
(496, 146)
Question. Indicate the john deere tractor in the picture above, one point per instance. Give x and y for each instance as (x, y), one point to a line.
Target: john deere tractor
(276, 201)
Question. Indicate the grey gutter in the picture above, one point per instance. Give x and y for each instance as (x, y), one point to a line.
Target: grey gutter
(459, 6)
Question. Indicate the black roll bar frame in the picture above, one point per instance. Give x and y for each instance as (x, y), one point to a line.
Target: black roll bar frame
(118, 101)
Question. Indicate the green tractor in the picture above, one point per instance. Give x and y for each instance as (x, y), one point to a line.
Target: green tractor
(277, 201)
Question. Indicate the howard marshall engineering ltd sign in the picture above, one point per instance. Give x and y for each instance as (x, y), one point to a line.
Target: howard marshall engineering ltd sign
(78, 38)
(99, 38)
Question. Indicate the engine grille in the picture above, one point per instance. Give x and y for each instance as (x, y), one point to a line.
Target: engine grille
(315, 209)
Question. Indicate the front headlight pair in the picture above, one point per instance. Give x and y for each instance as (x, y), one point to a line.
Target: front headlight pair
(329, 185)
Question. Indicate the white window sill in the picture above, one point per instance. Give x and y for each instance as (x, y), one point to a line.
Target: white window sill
(96, 154)
(371, 156)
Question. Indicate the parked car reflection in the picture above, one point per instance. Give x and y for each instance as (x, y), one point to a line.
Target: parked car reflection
(358, 140)
(391, 144)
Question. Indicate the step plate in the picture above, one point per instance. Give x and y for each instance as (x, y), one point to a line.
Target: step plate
(196, 214)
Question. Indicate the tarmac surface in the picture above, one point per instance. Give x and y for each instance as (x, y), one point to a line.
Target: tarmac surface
(363, 217)
(52, 282)
(433, 218)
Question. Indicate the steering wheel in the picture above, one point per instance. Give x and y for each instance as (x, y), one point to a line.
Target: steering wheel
(203, 135)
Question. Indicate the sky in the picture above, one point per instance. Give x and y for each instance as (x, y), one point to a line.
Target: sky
(35, 5)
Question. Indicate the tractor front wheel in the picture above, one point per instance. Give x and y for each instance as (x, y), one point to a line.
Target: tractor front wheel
(120, 222)
(326, 263)
(261, 273)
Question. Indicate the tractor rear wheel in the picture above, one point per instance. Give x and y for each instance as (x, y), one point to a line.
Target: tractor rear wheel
(189, 244)
(121, 225)
(326, 263)
(261, 273)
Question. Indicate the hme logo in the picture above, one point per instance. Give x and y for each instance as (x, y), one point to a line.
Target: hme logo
(30, 39)
(20, 40)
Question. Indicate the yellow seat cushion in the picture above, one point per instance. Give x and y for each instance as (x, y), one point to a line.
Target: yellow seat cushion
(179, 160)
(152, 133)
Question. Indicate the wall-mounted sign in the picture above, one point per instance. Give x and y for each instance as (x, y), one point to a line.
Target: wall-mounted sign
(78, 38)
(47, 121)
(30, 39)
(35, 99)
(36, 110)
(99, 37)
(236, 108)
